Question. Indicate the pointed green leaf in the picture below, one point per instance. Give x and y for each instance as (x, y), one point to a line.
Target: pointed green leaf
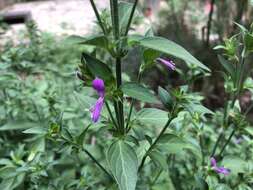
(229, 67)
(98, 68)
(138, 92)
(123, 163)
(36, 130)
(152, 116)
(167, 47)
(165, 97)
(98, 41)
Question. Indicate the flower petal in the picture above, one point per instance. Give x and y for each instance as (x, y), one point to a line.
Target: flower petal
(222, 170)
(167, 63)
(213, 162)
(99, 86)
(96, 109)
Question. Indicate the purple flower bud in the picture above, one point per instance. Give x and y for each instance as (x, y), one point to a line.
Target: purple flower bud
(96, 109)
(99, 86)
(213, 162)
(220, 170)
(167, 63)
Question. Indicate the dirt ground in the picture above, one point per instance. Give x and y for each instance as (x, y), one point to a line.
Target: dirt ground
(59, 16)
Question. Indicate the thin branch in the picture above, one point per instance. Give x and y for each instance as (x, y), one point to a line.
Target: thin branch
(132, 105)
(110, 113)
(131, 17)
(154, 143)
(98, 17)
(96, 162)
(229, 139)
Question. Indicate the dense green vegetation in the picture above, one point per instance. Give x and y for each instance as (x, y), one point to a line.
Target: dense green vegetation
(53, 136)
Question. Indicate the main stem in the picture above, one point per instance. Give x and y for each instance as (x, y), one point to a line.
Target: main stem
(119, 104)
(154, 143)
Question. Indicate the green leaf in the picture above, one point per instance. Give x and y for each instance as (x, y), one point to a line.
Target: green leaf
(7, 184)
(7, 172)
(248, 41)
(98, 41)
(229, 67)
(123, 163)
(165, 97)
(36, 130)
(197, 108)
(149, 56)
(235, 164)
(174, 144)
(98, 68)
(249, 130)
(248, 84)
(168, 47)
(159, 159)
(201, 184)
(152, 116)
(17, 125)
(138, 92)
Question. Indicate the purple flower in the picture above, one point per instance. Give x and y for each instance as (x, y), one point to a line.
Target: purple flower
(168, 63)
(220, 170)
(99, 86)
(96, 109)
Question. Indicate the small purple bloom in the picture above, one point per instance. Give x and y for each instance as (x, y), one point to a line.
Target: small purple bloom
(168, 63)
(96, 109)
(99, 86)
(220, 170)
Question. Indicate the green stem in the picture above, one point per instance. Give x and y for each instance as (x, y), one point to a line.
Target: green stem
(248, 110)
(110, 113)
(154, 143)
(96, 162)
(131, 17)
(201, 142)
(239, 84)
(89, 154)
(217, 143)
(116, 108)
(156, 178)
(227, 142)
(120, 102)
(98, 17)
(132, 105)
(115, 18)
(222, 132)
